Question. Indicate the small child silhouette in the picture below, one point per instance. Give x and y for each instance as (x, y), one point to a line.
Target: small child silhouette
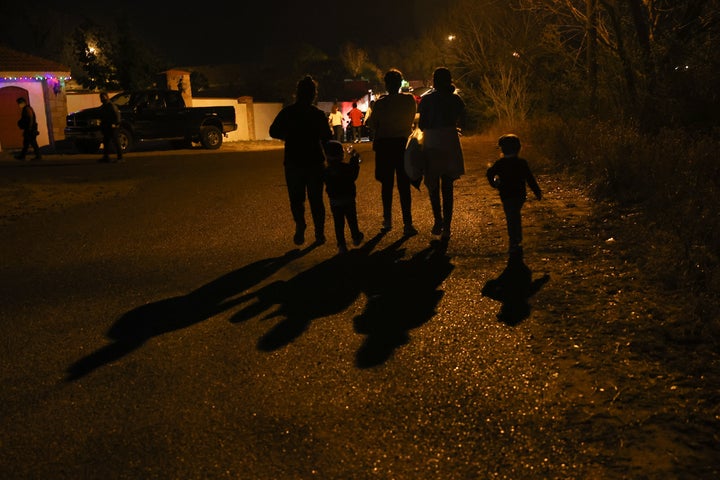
(510, 175)
(339, 180)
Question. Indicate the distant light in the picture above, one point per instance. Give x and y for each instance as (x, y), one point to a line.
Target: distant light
(451, 37)
(681, 67)
(516, 54)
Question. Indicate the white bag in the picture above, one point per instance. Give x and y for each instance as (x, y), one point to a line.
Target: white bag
(414, 158)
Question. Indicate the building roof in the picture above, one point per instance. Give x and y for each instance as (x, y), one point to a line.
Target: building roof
(14, 63)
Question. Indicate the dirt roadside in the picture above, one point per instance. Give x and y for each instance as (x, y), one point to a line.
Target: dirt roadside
(639, 376)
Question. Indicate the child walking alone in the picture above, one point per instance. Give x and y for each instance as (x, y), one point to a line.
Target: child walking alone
(510, 175)
(340, 186)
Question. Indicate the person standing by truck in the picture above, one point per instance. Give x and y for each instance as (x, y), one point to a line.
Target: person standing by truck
(165, 118)
(304, 129)
(110, 126)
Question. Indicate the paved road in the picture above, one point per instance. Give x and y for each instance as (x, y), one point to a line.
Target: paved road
(157, 322)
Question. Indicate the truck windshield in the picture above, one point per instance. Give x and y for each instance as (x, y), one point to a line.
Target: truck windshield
(121, 99)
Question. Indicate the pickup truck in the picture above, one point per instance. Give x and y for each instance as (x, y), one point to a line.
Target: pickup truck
(153, 115)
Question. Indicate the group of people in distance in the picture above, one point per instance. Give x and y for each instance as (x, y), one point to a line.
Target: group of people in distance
(355, 122)
(310, 141)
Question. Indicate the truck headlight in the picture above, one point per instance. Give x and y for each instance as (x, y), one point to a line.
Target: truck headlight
(94, 122)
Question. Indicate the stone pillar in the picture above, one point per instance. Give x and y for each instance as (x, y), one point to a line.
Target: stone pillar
(248, 101)
(55, 107)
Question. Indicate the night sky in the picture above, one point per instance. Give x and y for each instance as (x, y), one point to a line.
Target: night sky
(233, 31)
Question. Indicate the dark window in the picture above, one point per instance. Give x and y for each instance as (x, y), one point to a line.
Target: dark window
(175, 101)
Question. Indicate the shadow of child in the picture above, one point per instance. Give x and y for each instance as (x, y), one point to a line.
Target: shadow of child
(514, 287)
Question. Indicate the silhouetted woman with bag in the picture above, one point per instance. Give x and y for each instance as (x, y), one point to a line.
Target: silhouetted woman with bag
(442, 114)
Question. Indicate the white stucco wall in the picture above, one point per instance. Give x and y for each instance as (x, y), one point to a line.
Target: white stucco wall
(81, 101)
(265, 113)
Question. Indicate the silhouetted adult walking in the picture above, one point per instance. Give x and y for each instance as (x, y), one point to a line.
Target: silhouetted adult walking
(29, 126)
(391, 123)
(110, 126)
(304, 129)
(442, 113)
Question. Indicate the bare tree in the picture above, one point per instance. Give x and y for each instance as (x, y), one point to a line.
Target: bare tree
(492, 50)
(354, 58)
(416, 58)
(646, 55)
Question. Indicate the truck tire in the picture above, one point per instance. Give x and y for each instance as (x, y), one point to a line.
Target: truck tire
(125, 140)
(211, 137)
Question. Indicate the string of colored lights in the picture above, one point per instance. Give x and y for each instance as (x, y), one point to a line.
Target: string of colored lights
(38, 78)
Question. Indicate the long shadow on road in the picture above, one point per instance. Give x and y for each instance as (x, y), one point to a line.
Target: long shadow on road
(137, 326)
(328, 288)
(401, 295)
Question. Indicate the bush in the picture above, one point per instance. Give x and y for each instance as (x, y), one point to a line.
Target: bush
(671, 178)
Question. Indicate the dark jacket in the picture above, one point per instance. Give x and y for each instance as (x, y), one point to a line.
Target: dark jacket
(28, 122)
(109, 115)
(304, 128)
(340, 179)
(510, 175)
(441, 109)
